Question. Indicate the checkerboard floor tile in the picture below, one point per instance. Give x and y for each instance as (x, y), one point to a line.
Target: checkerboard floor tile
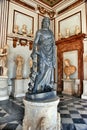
(73, 112)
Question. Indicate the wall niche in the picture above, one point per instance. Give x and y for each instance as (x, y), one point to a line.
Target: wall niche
(73, 43)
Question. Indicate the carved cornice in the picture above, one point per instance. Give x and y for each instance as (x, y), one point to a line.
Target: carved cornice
(23, 4)
(51, 3)
(70, 7)
(44, 11)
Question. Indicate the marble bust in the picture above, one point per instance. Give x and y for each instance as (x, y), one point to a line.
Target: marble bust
(68, 69)
(24, 30)
(77, 30)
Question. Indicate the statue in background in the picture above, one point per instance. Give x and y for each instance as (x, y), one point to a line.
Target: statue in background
(1, 66)
(67, 33)
(19, 62)
(3, 60)
(68, 69)
(24, 30)
(5, 69)
(43, 57)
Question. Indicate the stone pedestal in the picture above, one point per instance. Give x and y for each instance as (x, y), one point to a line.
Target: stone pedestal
(41, 115)
(4, 88)
(68, 86)
(84, 95)
(20, 87)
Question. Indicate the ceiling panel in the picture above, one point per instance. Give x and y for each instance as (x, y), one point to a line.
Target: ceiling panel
(51, 3)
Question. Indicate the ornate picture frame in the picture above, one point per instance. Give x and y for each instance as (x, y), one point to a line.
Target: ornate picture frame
(21, 19)
(70, 23)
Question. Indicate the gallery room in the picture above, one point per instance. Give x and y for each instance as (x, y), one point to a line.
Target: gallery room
(43, 65)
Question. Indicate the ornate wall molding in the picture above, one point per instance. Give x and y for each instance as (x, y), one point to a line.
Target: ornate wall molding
(43, 11)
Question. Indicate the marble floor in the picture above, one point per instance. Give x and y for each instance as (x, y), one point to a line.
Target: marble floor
(73, 113)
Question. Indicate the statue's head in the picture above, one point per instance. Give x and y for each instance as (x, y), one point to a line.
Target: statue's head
(67, 62)
(46, 22)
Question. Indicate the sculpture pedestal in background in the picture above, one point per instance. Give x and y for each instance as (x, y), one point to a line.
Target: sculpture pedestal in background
(20, 87)
(84, 95)
(41, 114)
(68, 86)
(4, 88)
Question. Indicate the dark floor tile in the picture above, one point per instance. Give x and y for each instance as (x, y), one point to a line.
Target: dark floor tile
(78, 121)
(85, 106)
(65, 116)
(63, 108)
(68, 127)
(84, 115)
(10, 126)
(73, 112)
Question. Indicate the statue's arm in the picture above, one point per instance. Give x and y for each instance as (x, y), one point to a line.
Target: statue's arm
(35, 43)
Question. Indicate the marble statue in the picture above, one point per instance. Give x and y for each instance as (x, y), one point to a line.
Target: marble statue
(3, 68)
(41, 100)
(68, 69)
(19, 62)
(43, 57)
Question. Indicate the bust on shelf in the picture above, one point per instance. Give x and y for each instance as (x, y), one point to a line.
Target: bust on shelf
(68, 69)
(77, 30)
(67, 33)
(24, 30)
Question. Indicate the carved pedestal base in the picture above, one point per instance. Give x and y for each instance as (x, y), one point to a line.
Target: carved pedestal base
(4, 88)
(68, 86)
(20, 87)
(84, 95)
(40, 115)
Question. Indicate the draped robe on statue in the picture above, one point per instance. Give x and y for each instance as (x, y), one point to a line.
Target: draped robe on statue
(44, 42)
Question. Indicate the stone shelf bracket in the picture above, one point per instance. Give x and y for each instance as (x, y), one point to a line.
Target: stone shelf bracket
(21, 40)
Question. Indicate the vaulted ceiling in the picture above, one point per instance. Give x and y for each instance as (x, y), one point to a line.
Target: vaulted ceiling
(51, 3)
